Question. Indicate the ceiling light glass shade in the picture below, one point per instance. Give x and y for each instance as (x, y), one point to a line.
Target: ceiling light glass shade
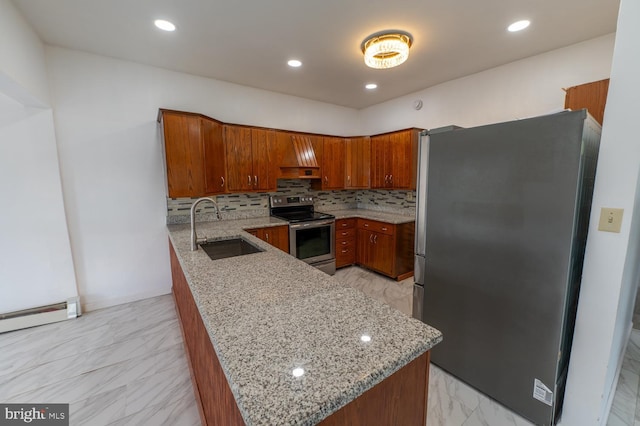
(386, 49)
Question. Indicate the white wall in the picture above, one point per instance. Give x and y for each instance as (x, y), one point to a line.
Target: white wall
(22, 69)
(112, 166)
(36, 266)
(611, 265)
(524, 88)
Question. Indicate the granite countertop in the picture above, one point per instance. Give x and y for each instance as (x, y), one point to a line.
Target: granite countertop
(268, 313)
(394, 218)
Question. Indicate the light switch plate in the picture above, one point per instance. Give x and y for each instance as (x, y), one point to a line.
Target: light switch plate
(610, 219)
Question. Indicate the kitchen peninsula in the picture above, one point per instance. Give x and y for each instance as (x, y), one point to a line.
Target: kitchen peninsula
(253, 323)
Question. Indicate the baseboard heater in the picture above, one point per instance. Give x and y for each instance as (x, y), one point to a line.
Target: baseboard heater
(40, 316)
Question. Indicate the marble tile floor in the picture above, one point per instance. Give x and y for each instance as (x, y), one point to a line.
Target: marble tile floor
(625, 409)
(126, 365)
(123, 365)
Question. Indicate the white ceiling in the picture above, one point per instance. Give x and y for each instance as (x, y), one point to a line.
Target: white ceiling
(249, 42)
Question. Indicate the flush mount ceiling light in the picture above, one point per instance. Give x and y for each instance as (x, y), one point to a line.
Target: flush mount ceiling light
(164, 25)
(386, 49)
(518, 26)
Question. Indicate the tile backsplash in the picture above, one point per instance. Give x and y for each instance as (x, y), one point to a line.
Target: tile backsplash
(240, 206)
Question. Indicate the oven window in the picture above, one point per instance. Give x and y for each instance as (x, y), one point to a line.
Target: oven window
(313, 242)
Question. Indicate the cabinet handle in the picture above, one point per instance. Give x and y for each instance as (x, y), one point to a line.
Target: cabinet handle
(222, 179)
(266, 234)
(375, 239)
(326, 179)
(249, 179)
(345, 233)
(344, 243)
(348, 180)
(345, 251)
(386, 178)
(384, 228)
(344, 224)
(366, 225)
(255, 179)
(391, 179)
(371, 238)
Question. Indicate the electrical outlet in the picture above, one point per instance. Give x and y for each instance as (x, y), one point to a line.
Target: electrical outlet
(610, 219)
(410, 196)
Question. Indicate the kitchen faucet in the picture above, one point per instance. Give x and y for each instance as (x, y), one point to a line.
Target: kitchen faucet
(194, 236)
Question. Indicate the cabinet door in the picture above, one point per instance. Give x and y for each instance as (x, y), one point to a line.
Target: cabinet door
(262, 146)
(380, 161)
(277, 236)
(592, 96)
(358, 162)
(237, 141)
(215, 169)
(364, 248)
(184, 154)
(333, 163)
(400, 152)
(382, 253)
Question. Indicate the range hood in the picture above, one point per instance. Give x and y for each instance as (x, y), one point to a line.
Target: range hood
(299, 159)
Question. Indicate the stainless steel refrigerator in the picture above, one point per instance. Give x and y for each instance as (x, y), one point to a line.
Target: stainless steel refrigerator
(501, 226)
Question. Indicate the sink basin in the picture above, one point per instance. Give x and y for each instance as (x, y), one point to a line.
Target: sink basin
(222, 249)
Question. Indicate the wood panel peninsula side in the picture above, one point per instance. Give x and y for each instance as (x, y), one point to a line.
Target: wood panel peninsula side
(249, 321)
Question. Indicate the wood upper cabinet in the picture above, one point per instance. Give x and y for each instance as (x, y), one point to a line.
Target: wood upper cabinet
(394, 159)
(194, 154)
(277, 236)
(592, 96)
(332, 163)
(248, 154)
(215, 165)
(357, 163)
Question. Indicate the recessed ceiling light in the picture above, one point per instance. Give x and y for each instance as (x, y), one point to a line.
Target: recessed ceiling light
(164, 25)
(298, 372)
(294, 63)
(371, 86)
(518, 26)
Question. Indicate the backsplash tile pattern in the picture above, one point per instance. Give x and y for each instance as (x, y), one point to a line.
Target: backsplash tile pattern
(242, 206)
(398, 201)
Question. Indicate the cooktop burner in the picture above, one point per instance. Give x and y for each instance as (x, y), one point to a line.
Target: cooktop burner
(301, 216)
(296, 209)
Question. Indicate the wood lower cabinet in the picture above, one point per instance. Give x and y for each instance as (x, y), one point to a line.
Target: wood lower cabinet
(277, 236)
(345, 242)
(394, 159)
(194, 154)
(385, 247)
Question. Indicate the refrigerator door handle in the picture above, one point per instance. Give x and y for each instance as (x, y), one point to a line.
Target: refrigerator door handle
(419, 264)
(421, 196)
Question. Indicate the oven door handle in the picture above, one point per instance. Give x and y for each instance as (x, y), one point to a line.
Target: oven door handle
(313, 224)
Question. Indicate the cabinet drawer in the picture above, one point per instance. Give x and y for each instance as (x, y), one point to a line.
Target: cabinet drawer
(345, 233)
(345, 242)
(345, 256)
(375, 226)
(345, 223)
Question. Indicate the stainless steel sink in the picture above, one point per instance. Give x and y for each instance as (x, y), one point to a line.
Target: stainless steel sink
(221, 249)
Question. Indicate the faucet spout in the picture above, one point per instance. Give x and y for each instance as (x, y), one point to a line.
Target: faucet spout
(194, 235)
